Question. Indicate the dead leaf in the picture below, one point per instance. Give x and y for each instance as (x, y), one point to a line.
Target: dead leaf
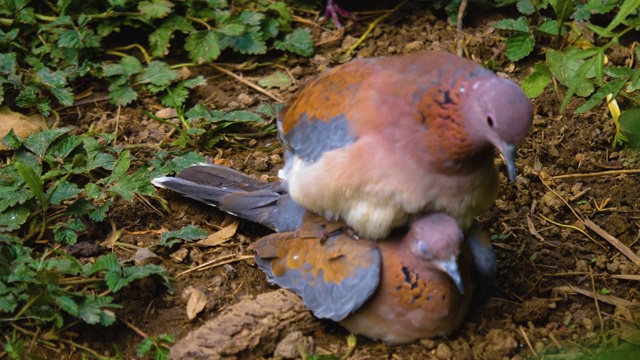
(22, 125)
(196, 303)
(221, 236)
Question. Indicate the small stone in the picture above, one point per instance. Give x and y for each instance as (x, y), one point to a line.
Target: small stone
(288, 347)
(167, 113)
(145, 256)
(412, 46)
(443, 352)
(428, 344)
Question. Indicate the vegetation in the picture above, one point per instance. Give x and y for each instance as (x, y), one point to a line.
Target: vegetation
(58, 184)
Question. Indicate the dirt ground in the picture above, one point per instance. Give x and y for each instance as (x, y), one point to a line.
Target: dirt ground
(551, 265)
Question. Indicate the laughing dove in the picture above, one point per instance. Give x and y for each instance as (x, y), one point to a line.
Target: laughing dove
(376, 141)
(414, 285)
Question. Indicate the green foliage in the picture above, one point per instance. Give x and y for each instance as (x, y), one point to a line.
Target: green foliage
(204, 128)
(580, 66)
(188, 233)
(159, 345)
(55, 187)
(46, 46)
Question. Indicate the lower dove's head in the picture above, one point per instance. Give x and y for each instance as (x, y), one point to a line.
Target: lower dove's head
(437, 239)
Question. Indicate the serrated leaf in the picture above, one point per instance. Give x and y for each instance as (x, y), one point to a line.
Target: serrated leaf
(231, 29)
(11, 140)
(299, 41)
(107, 262)
(66, 304)
(90, 310)
(56, 83)
(569, 69)
(176, 97)
(517, 47)
(12, 218)
(549, 27)
(535, 83)
(203, 46)
(580, 84)
(159, 73)
(526, 7)
(60, 150)
(122, 95)
(63, 191)
(78, 38)
(13, 194)
(100, 213)
(276, 80)
(248, 43)
(241, 116)
(39, 142)
(197, 81)
(65, 236)
(155, 9)
(518, 25)
(144, 347)
(188, 233)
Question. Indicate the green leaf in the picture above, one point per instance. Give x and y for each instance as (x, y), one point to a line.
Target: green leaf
(155, 9)
(250, 42)
(535, 83)
(90, 310)
(63, 191)
(549, 27)
(630, 125)
(11, 140)
(562, 8)
(33, 182)
(276, 80)
(63, 235)
(203, 46)
(78, 38)
(569, 68)
(526, 7)
(519, 46)
(12, 218)
(39, 142)
(188, 233)
(160, 39)
(144, 347)
(122, 95)
(520, 25)
(299, 41)
(56, 83)
(13, 194)
(613, 88)
(66, 304)
(627, 7)
(107, 262)
(159, 74)
(577, 85)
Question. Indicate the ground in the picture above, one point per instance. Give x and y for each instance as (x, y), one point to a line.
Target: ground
(551, 265)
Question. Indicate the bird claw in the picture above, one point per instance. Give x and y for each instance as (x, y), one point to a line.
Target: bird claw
(342, 230)
(332, 11)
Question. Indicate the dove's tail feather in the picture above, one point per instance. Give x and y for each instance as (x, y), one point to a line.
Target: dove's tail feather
(229, 190)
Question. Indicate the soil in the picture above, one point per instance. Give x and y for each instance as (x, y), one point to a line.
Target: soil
(551, 265)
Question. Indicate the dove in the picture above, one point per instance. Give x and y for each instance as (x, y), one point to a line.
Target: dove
(377, 141)
(415, 284)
